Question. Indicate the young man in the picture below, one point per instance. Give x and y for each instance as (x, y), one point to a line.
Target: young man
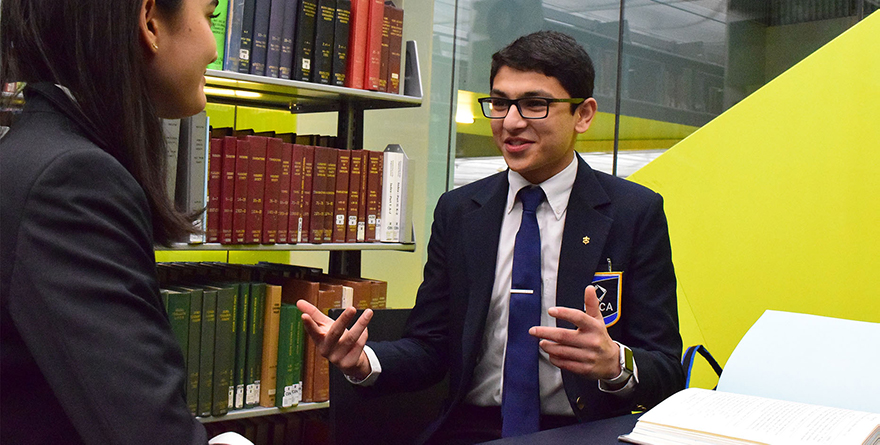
(600, 336)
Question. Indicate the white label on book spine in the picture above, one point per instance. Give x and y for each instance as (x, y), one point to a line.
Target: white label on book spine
(231, 402)
(251, 394)
(239, 396)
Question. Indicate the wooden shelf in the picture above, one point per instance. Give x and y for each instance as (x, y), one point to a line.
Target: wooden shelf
(261, 411)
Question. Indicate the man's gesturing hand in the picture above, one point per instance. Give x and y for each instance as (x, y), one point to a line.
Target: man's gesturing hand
(342, 347)
(587, 350)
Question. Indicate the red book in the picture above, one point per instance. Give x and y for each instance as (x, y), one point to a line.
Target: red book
(294, 219)
(239, 217)
(374, 193)
(354, 194)
(343, 164)
(320, 188)
(256, 189)
(330, 195)
(284, 195)
(374, 45)
(308, 177)
(227, 189)
(215, 163)
(357, 44)
(395, 47)
(271, 191)
(386, 45)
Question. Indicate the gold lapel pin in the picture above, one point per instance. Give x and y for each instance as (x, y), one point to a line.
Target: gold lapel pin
(586, 240)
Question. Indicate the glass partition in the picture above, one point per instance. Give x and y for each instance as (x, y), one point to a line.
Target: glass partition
(672, 67)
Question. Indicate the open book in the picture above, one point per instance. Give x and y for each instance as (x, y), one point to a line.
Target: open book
(781, 386)
(701, 416)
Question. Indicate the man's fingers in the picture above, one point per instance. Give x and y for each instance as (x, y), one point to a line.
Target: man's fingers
(591, 303)
(309, 309)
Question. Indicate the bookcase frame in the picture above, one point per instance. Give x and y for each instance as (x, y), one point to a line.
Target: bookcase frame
(232, 88)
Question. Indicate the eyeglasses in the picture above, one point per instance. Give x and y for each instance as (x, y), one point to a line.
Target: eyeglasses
(528, 107)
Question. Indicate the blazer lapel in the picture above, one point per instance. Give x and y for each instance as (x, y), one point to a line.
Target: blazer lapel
(480, 243)
(583, 239)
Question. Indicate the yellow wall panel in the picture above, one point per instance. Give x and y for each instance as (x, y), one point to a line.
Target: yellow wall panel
(775, 204)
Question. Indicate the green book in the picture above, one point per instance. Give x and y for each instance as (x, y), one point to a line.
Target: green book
(241, 331)
(288, 392)
(193, 346)
(177, 305)
(206, 358)
(224, 349)
(255, 345)
(218, 27)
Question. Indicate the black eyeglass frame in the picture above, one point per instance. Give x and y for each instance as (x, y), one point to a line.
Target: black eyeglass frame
(515, 102)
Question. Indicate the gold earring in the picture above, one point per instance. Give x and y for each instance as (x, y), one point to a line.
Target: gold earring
(155, 47)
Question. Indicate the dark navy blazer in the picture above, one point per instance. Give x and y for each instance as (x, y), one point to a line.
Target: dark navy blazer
(624, 222)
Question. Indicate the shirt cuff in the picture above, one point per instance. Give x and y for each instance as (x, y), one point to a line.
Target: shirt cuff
(375, 370)
(626, 389)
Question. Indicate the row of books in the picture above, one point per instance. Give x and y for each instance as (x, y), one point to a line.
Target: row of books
(311, 427)
(242, 336)
(352, 43)
(272, 190)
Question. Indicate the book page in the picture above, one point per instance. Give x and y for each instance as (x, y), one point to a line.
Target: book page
(760, 419)
(807, 358)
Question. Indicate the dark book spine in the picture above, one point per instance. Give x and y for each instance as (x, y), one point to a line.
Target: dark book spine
(354, 195)
(224, 350)
(395, 48)
(227, 189)
(304, 45)
(386, 40)
(241, 343)
(234, 21)
(288, 35)
(319, 193)
(330, 195)
(239, 218)
(256, 189)
(308, 176)
(341, 27)
(261, 37)
(206, 358)
(284, 193)
(322, 55)
(272, 191)
(296, 193)
(363, 196)
(289, 378)
(374, 194)
(215, 172)
(177, 307)
(194, 351)
(255, 345)
(247, 34)
(273, 52)
(343, 166)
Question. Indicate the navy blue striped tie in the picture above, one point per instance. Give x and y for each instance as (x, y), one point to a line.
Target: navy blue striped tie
(521, 397)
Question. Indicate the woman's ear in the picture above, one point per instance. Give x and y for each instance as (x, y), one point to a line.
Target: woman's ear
(148, 24)
(585, 113)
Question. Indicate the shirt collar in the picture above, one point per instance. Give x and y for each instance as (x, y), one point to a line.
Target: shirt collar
(557, 188)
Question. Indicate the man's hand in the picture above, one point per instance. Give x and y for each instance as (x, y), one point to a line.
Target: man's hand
(587, 350)
(342, 347)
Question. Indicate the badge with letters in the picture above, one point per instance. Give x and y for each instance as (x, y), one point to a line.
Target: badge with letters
(608, 290)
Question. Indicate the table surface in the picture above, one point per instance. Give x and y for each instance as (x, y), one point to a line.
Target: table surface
(600, 432)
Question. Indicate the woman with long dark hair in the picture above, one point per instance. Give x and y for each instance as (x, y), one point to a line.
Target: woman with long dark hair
(88, 355)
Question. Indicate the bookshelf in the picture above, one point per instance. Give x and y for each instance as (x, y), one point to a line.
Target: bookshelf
(238, 89)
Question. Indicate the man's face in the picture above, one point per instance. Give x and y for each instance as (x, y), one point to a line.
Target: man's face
(537, 149)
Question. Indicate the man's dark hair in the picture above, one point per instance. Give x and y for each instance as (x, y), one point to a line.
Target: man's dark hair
(552, 53)
(93, 48)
